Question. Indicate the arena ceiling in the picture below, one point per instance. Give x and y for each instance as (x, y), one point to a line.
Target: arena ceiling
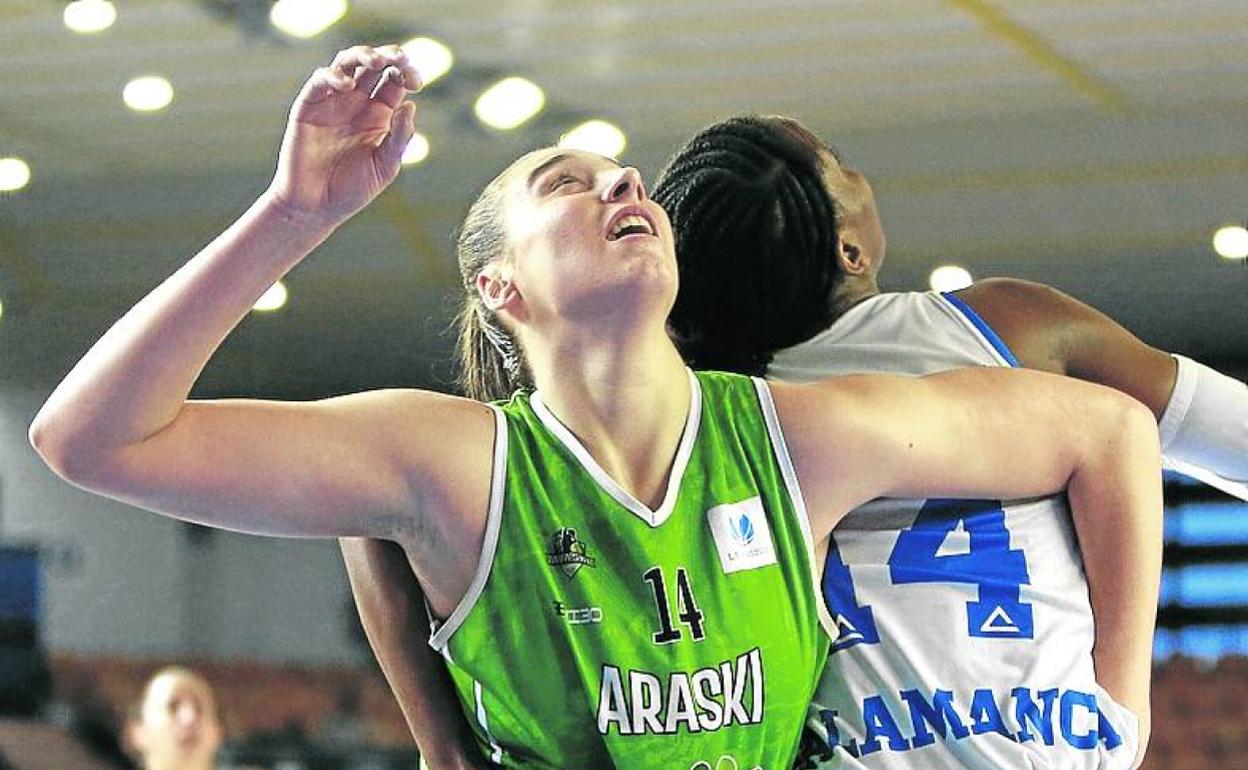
(1092, 144)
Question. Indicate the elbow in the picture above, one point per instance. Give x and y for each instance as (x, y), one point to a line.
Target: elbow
(1139, 424)
(66, 454)
(44, 439)
(1119, 432)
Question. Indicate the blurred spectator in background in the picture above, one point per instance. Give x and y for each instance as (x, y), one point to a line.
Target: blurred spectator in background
(177, 726)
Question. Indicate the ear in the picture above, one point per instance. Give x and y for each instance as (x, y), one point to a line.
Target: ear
(496, 288)
(850, 257)
(134, 737)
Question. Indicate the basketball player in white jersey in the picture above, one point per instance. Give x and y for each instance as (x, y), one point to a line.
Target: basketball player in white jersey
(965, 633)
(759, 205)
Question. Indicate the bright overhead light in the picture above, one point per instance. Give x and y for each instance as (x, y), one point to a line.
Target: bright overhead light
(87, 16)
(950, 278)
(509, 102)
(148, 94)
(14, 174)
(597, 136)
(273, 298)
(417, 149)
(430, 58)
(306, 18)
(1231, 242)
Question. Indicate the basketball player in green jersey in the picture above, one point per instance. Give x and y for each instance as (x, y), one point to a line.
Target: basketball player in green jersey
(620, 558)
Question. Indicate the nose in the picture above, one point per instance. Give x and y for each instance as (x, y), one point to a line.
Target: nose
(626, 184)
(187, 714)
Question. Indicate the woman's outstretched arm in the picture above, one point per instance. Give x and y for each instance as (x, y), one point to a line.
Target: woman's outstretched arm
(998, 433)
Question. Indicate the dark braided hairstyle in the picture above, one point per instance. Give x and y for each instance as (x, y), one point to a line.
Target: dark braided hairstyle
(756, 232)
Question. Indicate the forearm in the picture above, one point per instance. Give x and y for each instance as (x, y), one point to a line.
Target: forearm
(391, 608)
(135, 379)
(1115, 498)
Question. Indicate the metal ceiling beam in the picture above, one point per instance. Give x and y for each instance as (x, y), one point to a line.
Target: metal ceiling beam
(1042, 52)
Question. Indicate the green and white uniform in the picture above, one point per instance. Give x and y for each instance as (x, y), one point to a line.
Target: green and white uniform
(600, 633)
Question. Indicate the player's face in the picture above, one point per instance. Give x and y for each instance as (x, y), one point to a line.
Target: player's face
(859, 217)
(584, 238)
(179, 725)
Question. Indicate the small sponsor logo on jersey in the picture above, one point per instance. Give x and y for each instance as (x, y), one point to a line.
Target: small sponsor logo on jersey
(578, 616)
(743, 530)
(847, 632)
(999, 622)
(742, 535)
(567, 552)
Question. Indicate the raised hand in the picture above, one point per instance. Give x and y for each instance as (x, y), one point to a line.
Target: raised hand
(346, 133)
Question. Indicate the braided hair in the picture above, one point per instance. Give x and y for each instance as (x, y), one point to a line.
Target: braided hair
(756, 231)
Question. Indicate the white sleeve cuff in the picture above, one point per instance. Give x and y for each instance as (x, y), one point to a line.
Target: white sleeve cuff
(1204, 429)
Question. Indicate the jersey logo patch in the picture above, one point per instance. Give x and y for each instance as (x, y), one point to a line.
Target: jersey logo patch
(999, 622)
(567, 552)
(849, 633)
(742, 535)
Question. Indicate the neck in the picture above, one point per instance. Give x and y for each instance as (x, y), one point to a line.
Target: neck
(850, 292)
(625, 398)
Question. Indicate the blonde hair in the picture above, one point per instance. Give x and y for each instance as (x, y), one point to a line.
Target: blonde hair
(491, 363)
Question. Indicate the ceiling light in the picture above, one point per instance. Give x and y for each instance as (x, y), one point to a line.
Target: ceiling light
(950, 278)
(273, 298)
(596, 136)
(147, 94)
(417, 149)
(1231, 242)
(87, 16)
(14, 174)
(306, 18)
(509, 102)
(430, 58)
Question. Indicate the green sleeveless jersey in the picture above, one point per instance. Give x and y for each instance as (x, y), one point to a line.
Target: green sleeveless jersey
(599, 633)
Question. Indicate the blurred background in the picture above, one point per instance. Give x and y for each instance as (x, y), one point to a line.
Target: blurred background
(1095, 145)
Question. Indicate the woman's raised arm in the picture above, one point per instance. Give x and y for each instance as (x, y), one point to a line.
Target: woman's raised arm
(121, 423)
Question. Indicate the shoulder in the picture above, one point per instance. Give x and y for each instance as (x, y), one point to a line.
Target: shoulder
(403, 411)
(839, 407)
(424, 432)
(1034, 319)
(1029, 294)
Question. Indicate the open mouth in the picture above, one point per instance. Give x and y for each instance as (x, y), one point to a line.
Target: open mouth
(630, 222)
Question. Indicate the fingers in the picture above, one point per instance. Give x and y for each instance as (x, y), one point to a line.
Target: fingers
(323, 82)
(364, 66)
(402, 127)
(390, 88)
(382, 74)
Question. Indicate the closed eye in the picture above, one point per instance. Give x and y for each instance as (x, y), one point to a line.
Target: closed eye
(562, 180)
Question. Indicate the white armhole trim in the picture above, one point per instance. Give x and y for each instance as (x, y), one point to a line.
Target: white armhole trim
(493, 522)
(961, 320)
(781, 449)
(496, 751)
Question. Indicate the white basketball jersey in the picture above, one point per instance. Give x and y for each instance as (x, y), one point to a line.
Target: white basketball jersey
(963, 628)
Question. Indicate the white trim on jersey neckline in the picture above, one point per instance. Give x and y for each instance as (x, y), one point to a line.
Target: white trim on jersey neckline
(654, 518)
